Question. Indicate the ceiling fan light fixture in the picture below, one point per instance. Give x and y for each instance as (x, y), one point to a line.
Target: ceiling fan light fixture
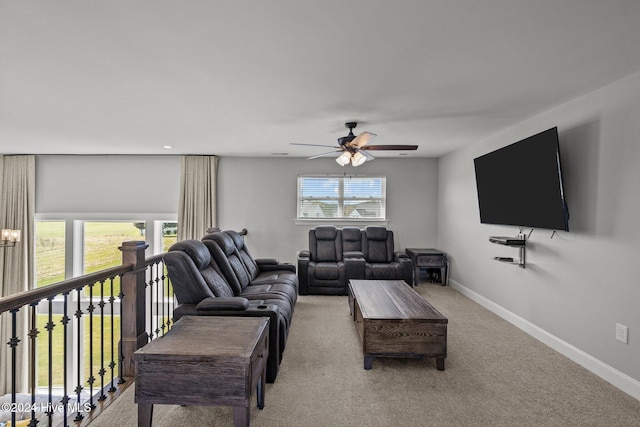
(358, 158)
(344, 158)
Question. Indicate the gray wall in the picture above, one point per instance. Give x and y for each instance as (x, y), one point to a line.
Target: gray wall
(88, 185)
(578, 284)
(254, 193)
(260, 194)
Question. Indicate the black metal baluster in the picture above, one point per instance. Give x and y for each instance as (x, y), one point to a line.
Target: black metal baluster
(33, 334)
(121, 380)
(155, 302)
(78, 389)
(49, 327)
(65, 320)
(164, 325)
(13, 343)
(171, 302)
(92, 378)
(149, 297)
(102, 371)
(112, 363)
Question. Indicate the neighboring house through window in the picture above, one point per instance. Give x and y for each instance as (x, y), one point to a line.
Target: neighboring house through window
(341, 197)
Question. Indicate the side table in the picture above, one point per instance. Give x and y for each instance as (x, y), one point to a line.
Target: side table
(429, 258)
(204, 360)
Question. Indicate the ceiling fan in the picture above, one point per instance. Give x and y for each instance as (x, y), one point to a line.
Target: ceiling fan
(354, 148)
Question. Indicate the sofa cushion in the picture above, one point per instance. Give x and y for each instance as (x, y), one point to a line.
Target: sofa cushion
(327, 271)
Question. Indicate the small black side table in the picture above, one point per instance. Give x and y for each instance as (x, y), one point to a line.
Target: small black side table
(429, 258)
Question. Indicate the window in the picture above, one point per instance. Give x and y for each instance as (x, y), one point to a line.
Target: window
(341, 197)
(72, 247)
(50, 252)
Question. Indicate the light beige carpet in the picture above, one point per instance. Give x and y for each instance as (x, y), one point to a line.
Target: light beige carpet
(496, 375)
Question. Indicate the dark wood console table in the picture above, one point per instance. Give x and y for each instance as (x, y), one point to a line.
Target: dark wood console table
(429, 258)
(204, 360)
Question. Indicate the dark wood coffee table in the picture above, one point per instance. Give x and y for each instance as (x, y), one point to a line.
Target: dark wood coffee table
(204, 360)
(393, 320)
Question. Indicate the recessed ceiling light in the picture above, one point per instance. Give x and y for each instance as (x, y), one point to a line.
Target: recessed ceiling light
(167, 147)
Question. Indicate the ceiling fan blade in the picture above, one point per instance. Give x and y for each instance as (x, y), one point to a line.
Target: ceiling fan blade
(330, 153)
(368, 155)
(362, 139)
(314, 145)
(390, 147)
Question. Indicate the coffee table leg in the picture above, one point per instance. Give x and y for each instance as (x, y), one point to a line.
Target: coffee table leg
(368, 362)
(241, 416)
(145, 414)
(260, 391)
(440, 363)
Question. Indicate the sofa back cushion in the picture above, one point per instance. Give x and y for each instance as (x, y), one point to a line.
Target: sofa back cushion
(377, 244)
(224, 253)
(325, 244)
(247, 260)
(351, 239)
(193, 274)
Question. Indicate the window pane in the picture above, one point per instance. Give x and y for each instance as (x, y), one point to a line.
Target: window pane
(320, 187)
(319, 209)
(363, 209)
(169, 235)
(50, 252)
(101, 242)
(362, 187)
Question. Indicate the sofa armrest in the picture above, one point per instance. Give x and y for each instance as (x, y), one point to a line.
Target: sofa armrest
(406, 265)
(223, 304)
(266, 261)
(304, 258)
(354, 268)
(277, 267)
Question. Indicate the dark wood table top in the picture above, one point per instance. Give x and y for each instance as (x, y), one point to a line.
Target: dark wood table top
(206, 337)
(392, 299)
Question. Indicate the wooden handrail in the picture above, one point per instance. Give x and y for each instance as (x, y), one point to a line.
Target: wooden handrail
(15, 301)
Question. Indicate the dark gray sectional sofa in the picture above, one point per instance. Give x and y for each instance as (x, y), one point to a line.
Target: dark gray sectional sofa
(336, 255)
(217, 276)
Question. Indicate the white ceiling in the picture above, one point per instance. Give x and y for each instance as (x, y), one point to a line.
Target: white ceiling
(247, 78)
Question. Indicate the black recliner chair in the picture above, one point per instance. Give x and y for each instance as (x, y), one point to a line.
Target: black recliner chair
(263, 270)
(202, 290)
(382, 262)
(226, 255)
(321, 269)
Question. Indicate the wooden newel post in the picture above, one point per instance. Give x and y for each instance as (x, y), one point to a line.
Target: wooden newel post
(132, 308)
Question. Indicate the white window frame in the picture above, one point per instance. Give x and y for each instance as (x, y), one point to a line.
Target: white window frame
(340, 219)
(74, 267)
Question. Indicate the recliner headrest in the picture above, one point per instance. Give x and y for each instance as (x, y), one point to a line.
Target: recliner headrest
(196, 250)
(238, 240)
(376, 233)
(224, 241)
(351, 234)
(326, 232)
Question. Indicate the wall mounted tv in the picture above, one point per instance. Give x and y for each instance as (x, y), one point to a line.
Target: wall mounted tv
(521, 184)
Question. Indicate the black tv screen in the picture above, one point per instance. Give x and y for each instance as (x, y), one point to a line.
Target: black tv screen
(521, 184)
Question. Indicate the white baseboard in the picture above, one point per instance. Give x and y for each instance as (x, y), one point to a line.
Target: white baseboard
(619, 379)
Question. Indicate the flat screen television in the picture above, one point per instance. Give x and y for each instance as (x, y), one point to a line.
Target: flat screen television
(521, 184)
